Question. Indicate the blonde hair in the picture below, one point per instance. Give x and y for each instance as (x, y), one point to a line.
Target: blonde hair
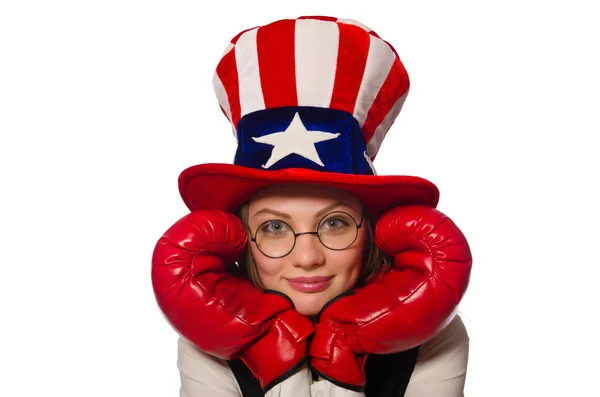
(374, 260)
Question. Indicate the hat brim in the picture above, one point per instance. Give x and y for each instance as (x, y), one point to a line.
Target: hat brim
(226, 186)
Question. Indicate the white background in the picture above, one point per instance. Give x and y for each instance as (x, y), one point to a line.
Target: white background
(104, 103)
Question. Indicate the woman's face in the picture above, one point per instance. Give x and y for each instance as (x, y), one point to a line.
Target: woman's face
(311, 274)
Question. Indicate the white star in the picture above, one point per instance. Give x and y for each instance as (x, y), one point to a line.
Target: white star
(295, 139)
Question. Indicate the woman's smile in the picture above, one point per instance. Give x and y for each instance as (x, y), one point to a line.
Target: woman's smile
(310, 284)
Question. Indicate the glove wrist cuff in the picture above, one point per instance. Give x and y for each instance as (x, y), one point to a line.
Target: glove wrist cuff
(281, 351)
(333, 358)
(293, 369)
(359, 388)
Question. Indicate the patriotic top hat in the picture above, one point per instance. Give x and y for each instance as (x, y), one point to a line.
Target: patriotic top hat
(310, 100)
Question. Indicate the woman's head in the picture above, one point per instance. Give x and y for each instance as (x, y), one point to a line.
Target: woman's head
(311, 268)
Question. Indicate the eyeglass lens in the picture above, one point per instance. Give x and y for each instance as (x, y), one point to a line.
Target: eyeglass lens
(336, 231)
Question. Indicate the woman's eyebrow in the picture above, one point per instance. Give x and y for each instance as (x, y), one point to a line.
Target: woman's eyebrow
(318, 214)
(270, 211)
(332, 206)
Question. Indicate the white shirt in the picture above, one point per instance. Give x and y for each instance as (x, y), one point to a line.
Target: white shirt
(440, 371)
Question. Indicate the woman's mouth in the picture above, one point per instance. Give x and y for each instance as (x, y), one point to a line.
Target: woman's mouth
(310, 284)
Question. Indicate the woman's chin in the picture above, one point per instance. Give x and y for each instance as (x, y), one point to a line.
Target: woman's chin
(308, 304)
(309, 312)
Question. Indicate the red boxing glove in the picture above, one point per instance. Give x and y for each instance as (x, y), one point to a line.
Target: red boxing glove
(401, 308)
(221, 314)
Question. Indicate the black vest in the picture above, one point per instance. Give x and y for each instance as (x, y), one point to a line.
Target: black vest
(387, 375)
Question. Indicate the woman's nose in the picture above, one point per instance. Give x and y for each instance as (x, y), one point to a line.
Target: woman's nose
(308, 251)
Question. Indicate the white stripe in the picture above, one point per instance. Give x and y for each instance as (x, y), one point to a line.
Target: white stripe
(379, 62)
(316, 52)
(246, 58)
(356, 23)
(382, 129)
(221, 95)
(368, 159)
(223, 100)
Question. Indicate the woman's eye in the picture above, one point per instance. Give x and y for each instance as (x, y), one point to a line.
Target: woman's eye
(274, 227)
(334, 223)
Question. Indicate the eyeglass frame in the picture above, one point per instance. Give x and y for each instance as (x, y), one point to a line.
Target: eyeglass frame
(358, 226)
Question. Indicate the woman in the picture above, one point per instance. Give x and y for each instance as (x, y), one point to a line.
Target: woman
(344, 283)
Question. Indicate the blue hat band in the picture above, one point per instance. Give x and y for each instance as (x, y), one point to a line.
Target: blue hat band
(320, 139)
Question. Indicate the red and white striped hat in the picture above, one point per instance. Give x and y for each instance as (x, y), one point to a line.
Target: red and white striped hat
(310, 100)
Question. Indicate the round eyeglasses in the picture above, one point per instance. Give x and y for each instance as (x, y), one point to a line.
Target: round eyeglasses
(337, 231)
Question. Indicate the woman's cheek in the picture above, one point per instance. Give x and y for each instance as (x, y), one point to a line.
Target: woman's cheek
(353, 270)
(353, 277)
(269, 271)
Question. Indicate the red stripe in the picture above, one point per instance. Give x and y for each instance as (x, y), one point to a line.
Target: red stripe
(227, 72)
(352, 58)
(276, 63)
(396, 84)
(320, 18)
